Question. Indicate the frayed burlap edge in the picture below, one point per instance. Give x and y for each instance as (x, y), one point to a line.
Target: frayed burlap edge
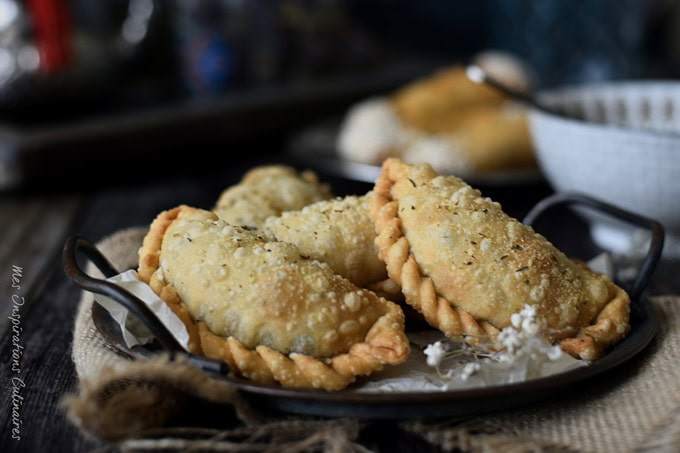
(124, 400)
(479, 435)
(287, 436)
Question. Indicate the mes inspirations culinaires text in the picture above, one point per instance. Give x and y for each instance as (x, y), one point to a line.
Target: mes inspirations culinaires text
(17, 384)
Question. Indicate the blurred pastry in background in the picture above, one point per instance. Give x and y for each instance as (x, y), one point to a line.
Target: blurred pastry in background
(268, 191)
(485, 139)
(454, 124)
(437, 103)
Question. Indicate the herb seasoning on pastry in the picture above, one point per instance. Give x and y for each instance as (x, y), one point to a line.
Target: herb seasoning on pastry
(268, 191)
(338, 232)
(271, 313)
(468, 266)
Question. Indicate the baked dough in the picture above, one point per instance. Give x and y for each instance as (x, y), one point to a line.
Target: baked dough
(435, 103)
(486, 139)
(338, 232)
(446, 120)
(271, 313)
(458, 126)
(268, 191)
(468, 266)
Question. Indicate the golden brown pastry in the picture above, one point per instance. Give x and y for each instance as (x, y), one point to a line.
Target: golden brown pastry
(434, 103)
(456, 125)
(494, 139)
(486, 139)
(467, 266)
(338, 232)
(268, 191)
(271, 313)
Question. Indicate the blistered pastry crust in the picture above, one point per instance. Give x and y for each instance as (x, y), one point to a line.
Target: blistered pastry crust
(268, 191)
(338, 232)
(467, 266)
(272, 314)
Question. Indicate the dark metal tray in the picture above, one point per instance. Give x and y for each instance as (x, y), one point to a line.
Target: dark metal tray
(393, 405)
(315, 147)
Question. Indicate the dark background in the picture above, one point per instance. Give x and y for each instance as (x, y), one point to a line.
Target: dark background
(85, 84)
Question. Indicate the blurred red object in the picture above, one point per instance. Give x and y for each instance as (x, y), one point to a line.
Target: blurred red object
(53, 33)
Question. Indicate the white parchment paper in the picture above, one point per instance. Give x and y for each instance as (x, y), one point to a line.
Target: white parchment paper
(134, 332)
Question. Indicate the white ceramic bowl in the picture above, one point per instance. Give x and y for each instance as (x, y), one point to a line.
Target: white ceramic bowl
(626, 151)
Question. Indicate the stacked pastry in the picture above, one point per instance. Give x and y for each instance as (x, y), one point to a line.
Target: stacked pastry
(289, 296)
(456, 125)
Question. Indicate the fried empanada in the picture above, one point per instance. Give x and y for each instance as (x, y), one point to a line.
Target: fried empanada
(338, 232)
(486, 139)
(456, 125)
(432, 103)
(271, 313)
(268, 191)
(495, 139)
(468, 266)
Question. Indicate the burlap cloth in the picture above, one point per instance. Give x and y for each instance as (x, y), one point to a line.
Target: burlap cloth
(171, 406)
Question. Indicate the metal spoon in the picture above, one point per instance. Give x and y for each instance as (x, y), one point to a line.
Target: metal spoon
(478, 75)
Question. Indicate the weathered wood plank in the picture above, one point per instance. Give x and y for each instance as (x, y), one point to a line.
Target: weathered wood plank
(32, 231)
(33, 387)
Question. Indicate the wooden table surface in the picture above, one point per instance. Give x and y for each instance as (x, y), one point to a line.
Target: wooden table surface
(33, 226)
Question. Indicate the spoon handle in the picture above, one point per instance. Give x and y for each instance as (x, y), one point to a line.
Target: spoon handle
(478, 75)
